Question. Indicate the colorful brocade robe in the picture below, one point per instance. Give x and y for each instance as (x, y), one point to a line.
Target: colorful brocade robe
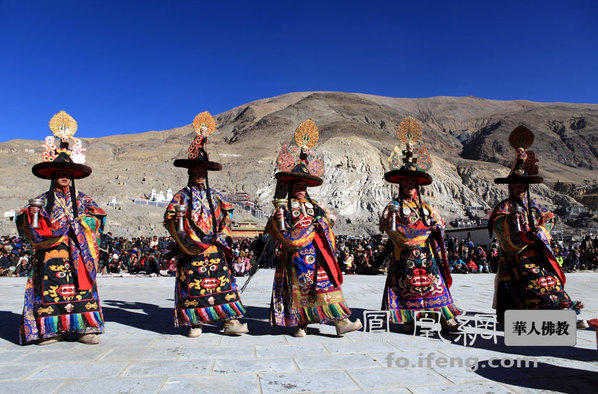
(307, 279)
(61, 294)
(528, 277)
(418, 277)
(205, 289)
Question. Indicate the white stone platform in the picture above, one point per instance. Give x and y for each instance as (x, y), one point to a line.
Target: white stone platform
(142, 352)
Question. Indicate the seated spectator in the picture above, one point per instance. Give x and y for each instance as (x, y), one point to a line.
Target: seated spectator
(571, 263)
(238, 266)
(479, 257)
(134, 264)
(457, 265)
(472, 266)
(23, 265)
(349, 264)
(172, 267)
(114, 266)
(249, 262)
(559, 257)
(6, 263)
(152, 264)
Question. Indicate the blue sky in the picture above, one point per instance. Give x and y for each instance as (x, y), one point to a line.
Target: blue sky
(133, 66)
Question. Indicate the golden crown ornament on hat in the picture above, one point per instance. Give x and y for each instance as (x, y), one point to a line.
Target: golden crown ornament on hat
(415, 162)
(57, 154)
(309, 167)
(204, 125)
(524, 169)
(63, 127)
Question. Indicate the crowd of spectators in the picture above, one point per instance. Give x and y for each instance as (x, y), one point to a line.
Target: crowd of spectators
(243, 259)
(576, 258)
(465, 257)
(139, 255)
(156, 256)
(363, 256)
(15, 256)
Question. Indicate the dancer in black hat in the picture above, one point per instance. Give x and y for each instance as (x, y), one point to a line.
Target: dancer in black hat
(199, 219)
(528, 276)
(307, 281)
(64, 226)
(418, 278)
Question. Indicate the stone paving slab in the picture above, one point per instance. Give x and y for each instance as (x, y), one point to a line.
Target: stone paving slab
(397, 377)
(124, 353)
(223, 367)
(60, 370)
(120, 385)
(217, 352)
(231, 384)
(296, 350)
(463, 388)
(307, 381)
(161, 368)
(31, 386)
(344, 362)
(142, 352)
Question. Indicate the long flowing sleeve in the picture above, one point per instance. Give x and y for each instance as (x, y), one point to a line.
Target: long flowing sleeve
(515, 242)
(50, 232)
(291, 237)
(406, 236)
(297, 236)
(198, 233)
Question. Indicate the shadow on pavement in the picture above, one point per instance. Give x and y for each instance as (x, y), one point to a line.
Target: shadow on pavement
(257, 319)
(566, 352)
(9, 326)
(149, 317)
(541, 376)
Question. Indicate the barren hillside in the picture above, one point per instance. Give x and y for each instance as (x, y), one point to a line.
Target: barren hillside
(467, 136)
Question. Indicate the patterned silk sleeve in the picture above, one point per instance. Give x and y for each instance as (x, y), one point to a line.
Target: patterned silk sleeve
(437, 220)
(510, 241)
(191, 241)
(290, 237)
(225, 220)
(188, 241)
(408, 236)
(93, 215)
(545, 223)
(49, 233)
(328, 216)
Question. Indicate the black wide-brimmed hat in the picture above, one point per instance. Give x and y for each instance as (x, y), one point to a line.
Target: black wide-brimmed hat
(309, 168)
(62, 158)
(63, 162)
(524, 168)
(415, 162)
(204, 125)
(396, 176)
(299, 173)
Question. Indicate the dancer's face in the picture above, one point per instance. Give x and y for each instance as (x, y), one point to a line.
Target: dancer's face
(408, 187)
(63, 178)
(298, 190)
(519, 189)
(198, 176)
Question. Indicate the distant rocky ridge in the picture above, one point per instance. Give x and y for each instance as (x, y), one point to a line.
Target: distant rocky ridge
(467, 137)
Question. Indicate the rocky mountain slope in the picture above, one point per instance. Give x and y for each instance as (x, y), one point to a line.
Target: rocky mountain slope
(467, 137)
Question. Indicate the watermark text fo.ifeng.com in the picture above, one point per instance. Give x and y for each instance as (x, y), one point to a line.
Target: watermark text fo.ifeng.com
(432, 359)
